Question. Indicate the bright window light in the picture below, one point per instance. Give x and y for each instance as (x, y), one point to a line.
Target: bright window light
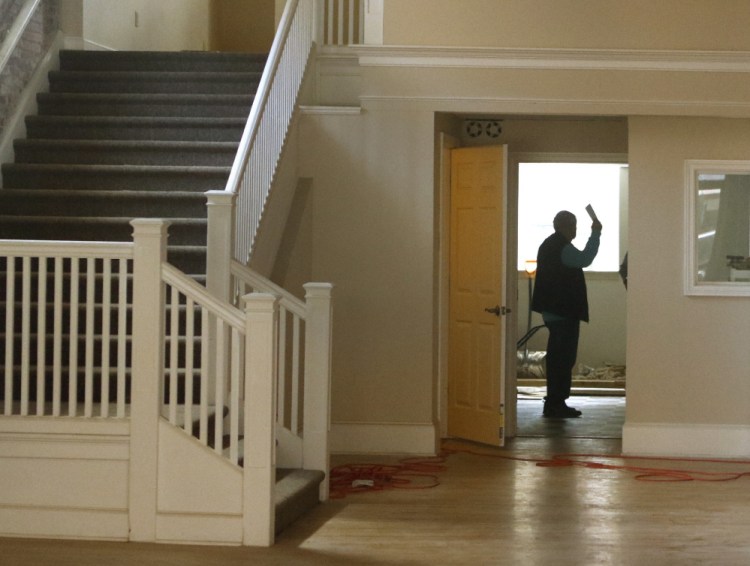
(544, 189)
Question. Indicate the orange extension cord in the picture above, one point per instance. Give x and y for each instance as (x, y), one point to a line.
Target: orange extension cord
(422, 473)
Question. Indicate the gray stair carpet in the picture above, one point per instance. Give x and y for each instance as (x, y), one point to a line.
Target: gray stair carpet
(122, 135)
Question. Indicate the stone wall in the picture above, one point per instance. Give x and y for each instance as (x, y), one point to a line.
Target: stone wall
(29, 51)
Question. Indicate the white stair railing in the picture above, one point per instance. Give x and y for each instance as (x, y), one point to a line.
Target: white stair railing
(303, 370)
(270, 117)
(66, 327)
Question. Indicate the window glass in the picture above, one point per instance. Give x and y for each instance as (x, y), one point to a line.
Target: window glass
(718, 238)
(544, 189)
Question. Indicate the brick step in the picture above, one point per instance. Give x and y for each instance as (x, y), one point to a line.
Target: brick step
(114, 177)
(125, 152)
(136, 204)
(97, 314)
(153, 82)
(135, 128)
(140, 104)
(74, 60)
(96, 389)
(186, 231)
(98, 349)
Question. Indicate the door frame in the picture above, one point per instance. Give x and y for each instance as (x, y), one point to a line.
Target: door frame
(446, 143)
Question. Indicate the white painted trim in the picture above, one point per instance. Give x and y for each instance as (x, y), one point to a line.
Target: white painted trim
(184, 528)
(544, 58)
(94, 46)
(383, 438)
(57, 522)
(65, 447)
(74, 42)
(540, 106)
(331, 110)
(686, 440)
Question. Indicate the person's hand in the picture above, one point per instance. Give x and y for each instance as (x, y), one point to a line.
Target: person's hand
(596, 225)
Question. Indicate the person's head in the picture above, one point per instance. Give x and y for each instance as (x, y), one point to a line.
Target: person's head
(565, 223)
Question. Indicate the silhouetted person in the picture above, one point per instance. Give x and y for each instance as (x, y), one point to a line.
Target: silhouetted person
(560, 296)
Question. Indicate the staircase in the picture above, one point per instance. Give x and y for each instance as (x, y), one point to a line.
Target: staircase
(129, 134)
(125, 135)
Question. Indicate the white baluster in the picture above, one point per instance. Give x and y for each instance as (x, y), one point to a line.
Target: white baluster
(10, 302)
(57, 340)
(41, 334)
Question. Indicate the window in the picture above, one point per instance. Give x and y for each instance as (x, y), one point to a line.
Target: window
(544, 189)
(718, 228)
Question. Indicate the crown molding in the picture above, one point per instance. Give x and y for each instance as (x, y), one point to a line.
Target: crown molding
(543, 58)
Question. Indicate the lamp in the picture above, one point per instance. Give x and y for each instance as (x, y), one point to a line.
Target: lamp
(530, 266)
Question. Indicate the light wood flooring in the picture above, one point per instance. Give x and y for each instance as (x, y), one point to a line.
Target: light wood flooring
(492, 506)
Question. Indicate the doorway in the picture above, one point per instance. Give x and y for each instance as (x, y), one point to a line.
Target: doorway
(529, 138)
(547, 184)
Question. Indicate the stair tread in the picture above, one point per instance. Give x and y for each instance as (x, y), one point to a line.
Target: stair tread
(140, 144)
(76, 167)
(161, 76)
(103, 193)
(147, 97)
(140, 121)
(92, 219)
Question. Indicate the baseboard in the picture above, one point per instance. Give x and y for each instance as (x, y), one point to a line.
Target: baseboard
(182, 528)
(51, 522)
(686, 440)
(384, 438)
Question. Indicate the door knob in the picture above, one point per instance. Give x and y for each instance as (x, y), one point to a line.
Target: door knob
(497, 310)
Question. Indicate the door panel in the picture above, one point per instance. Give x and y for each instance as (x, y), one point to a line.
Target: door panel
(475, 354)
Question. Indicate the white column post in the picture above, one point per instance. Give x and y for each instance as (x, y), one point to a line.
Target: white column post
(219, 252)
(319, 22)
(146, 389)
(261, 320)
(220, 243)
(373, 22)
(317, 413)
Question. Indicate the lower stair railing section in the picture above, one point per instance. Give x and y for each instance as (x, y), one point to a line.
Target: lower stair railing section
(66, 323)
(198, 397)
(270, 117)
(303, 370)
(112, 331)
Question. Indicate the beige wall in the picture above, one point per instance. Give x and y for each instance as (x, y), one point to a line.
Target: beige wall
(71, 17)
(243, 25)
(168, 25)
(688, 357)
(373, 239)
(618, 24)
(375, 236)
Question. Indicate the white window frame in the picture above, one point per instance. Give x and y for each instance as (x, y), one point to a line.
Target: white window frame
(694, 167)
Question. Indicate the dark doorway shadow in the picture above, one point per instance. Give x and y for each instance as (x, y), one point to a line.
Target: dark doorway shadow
(603, 417)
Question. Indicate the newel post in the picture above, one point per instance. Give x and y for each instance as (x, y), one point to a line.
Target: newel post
(261, 322)
(219, 251)
(317, 414)
(150, 237)
(219, 243)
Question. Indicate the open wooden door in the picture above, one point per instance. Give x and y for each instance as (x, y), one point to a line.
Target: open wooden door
(476, 354)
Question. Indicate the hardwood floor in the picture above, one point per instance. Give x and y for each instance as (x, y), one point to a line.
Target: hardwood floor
(492, 506)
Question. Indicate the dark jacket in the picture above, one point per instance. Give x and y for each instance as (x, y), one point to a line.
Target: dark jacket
(559, 289)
